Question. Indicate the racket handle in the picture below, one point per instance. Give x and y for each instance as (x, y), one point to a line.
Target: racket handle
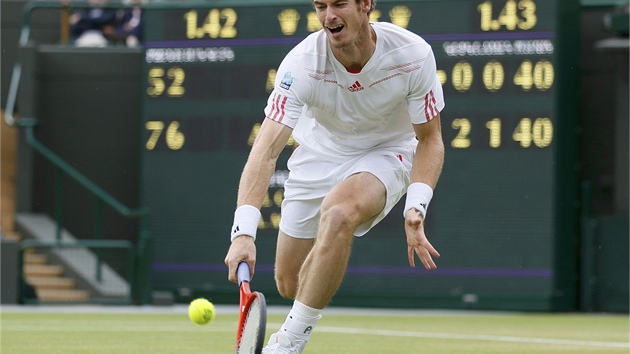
(243, 272)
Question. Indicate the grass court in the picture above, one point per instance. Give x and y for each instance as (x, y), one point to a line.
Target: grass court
(117, 330)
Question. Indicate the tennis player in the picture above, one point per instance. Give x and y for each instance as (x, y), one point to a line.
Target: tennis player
(363, 101)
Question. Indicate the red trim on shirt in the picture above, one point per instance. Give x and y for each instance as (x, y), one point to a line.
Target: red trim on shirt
(277, 108)
(430, 106)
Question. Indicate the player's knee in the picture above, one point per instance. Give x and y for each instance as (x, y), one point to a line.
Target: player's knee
(287, 285)
(339, 219)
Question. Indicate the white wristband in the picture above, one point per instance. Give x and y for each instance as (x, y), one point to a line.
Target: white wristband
(418, 196)
(246, 218)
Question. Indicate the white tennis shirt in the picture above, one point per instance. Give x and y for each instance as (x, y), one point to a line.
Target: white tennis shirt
(337, 114)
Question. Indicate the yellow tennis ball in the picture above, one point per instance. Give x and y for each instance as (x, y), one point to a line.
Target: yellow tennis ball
(201, 311)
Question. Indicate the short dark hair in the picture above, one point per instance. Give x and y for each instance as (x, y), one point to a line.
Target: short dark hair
(372, 6)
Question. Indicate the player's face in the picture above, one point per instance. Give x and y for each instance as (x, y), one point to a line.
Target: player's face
(343, 20)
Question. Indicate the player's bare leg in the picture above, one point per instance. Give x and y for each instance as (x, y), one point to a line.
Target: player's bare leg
(352, 202)
(290, 255)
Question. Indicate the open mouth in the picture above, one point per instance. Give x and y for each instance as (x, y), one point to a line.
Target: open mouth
(335, 29)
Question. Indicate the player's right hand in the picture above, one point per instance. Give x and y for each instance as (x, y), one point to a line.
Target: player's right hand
(242, 249)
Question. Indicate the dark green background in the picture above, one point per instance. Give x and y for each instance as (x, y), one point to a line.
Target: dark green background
(493, 216)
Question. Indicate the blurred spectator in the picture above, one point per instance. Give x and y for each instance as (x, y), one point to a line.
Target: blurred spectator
(93, 27)
(129, 24)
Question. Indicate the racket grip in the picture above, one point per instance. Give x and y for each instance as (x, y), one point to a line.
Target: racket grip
(243, 272)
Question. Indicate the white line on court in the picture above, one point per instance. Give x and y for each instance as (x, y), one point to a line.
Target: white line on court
(233, 309)
(391, 333)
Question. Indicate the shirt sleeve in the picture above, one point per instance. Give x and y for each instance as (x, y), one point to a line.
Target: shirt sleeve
(285, 103)
(426, 98)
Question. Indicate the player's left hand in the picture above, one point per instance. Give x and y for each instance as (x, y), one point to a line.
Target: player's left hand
(417, 241)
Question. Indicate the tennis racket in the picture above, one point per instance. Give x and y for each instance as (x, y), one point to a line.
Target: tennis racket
(252, 317)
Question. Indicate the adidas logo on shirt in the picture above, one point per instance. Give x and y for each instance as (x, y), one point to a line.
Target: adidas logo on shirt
(356, 87)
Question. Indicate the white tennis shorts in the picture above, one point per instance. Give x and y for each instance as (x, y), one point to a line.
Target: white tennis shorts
(311, 178)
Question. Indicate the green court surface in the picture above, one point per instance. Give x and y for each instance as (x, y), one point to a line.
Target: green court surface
(94, 329)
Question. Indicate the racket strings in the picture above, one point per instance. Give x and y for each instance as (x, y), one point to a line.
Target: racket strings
(251, 326)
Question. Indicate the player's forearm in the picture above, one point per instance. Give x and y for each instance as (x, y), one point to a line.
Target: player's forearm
(261, 163)
(428, 161)
(255, 180)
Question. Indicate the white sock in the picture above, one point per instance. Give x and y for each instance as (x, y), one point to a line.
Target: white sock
(301, 321)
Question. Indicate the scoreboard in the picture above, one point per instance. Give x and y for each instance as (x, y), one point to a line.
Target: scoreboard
(503, 215)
